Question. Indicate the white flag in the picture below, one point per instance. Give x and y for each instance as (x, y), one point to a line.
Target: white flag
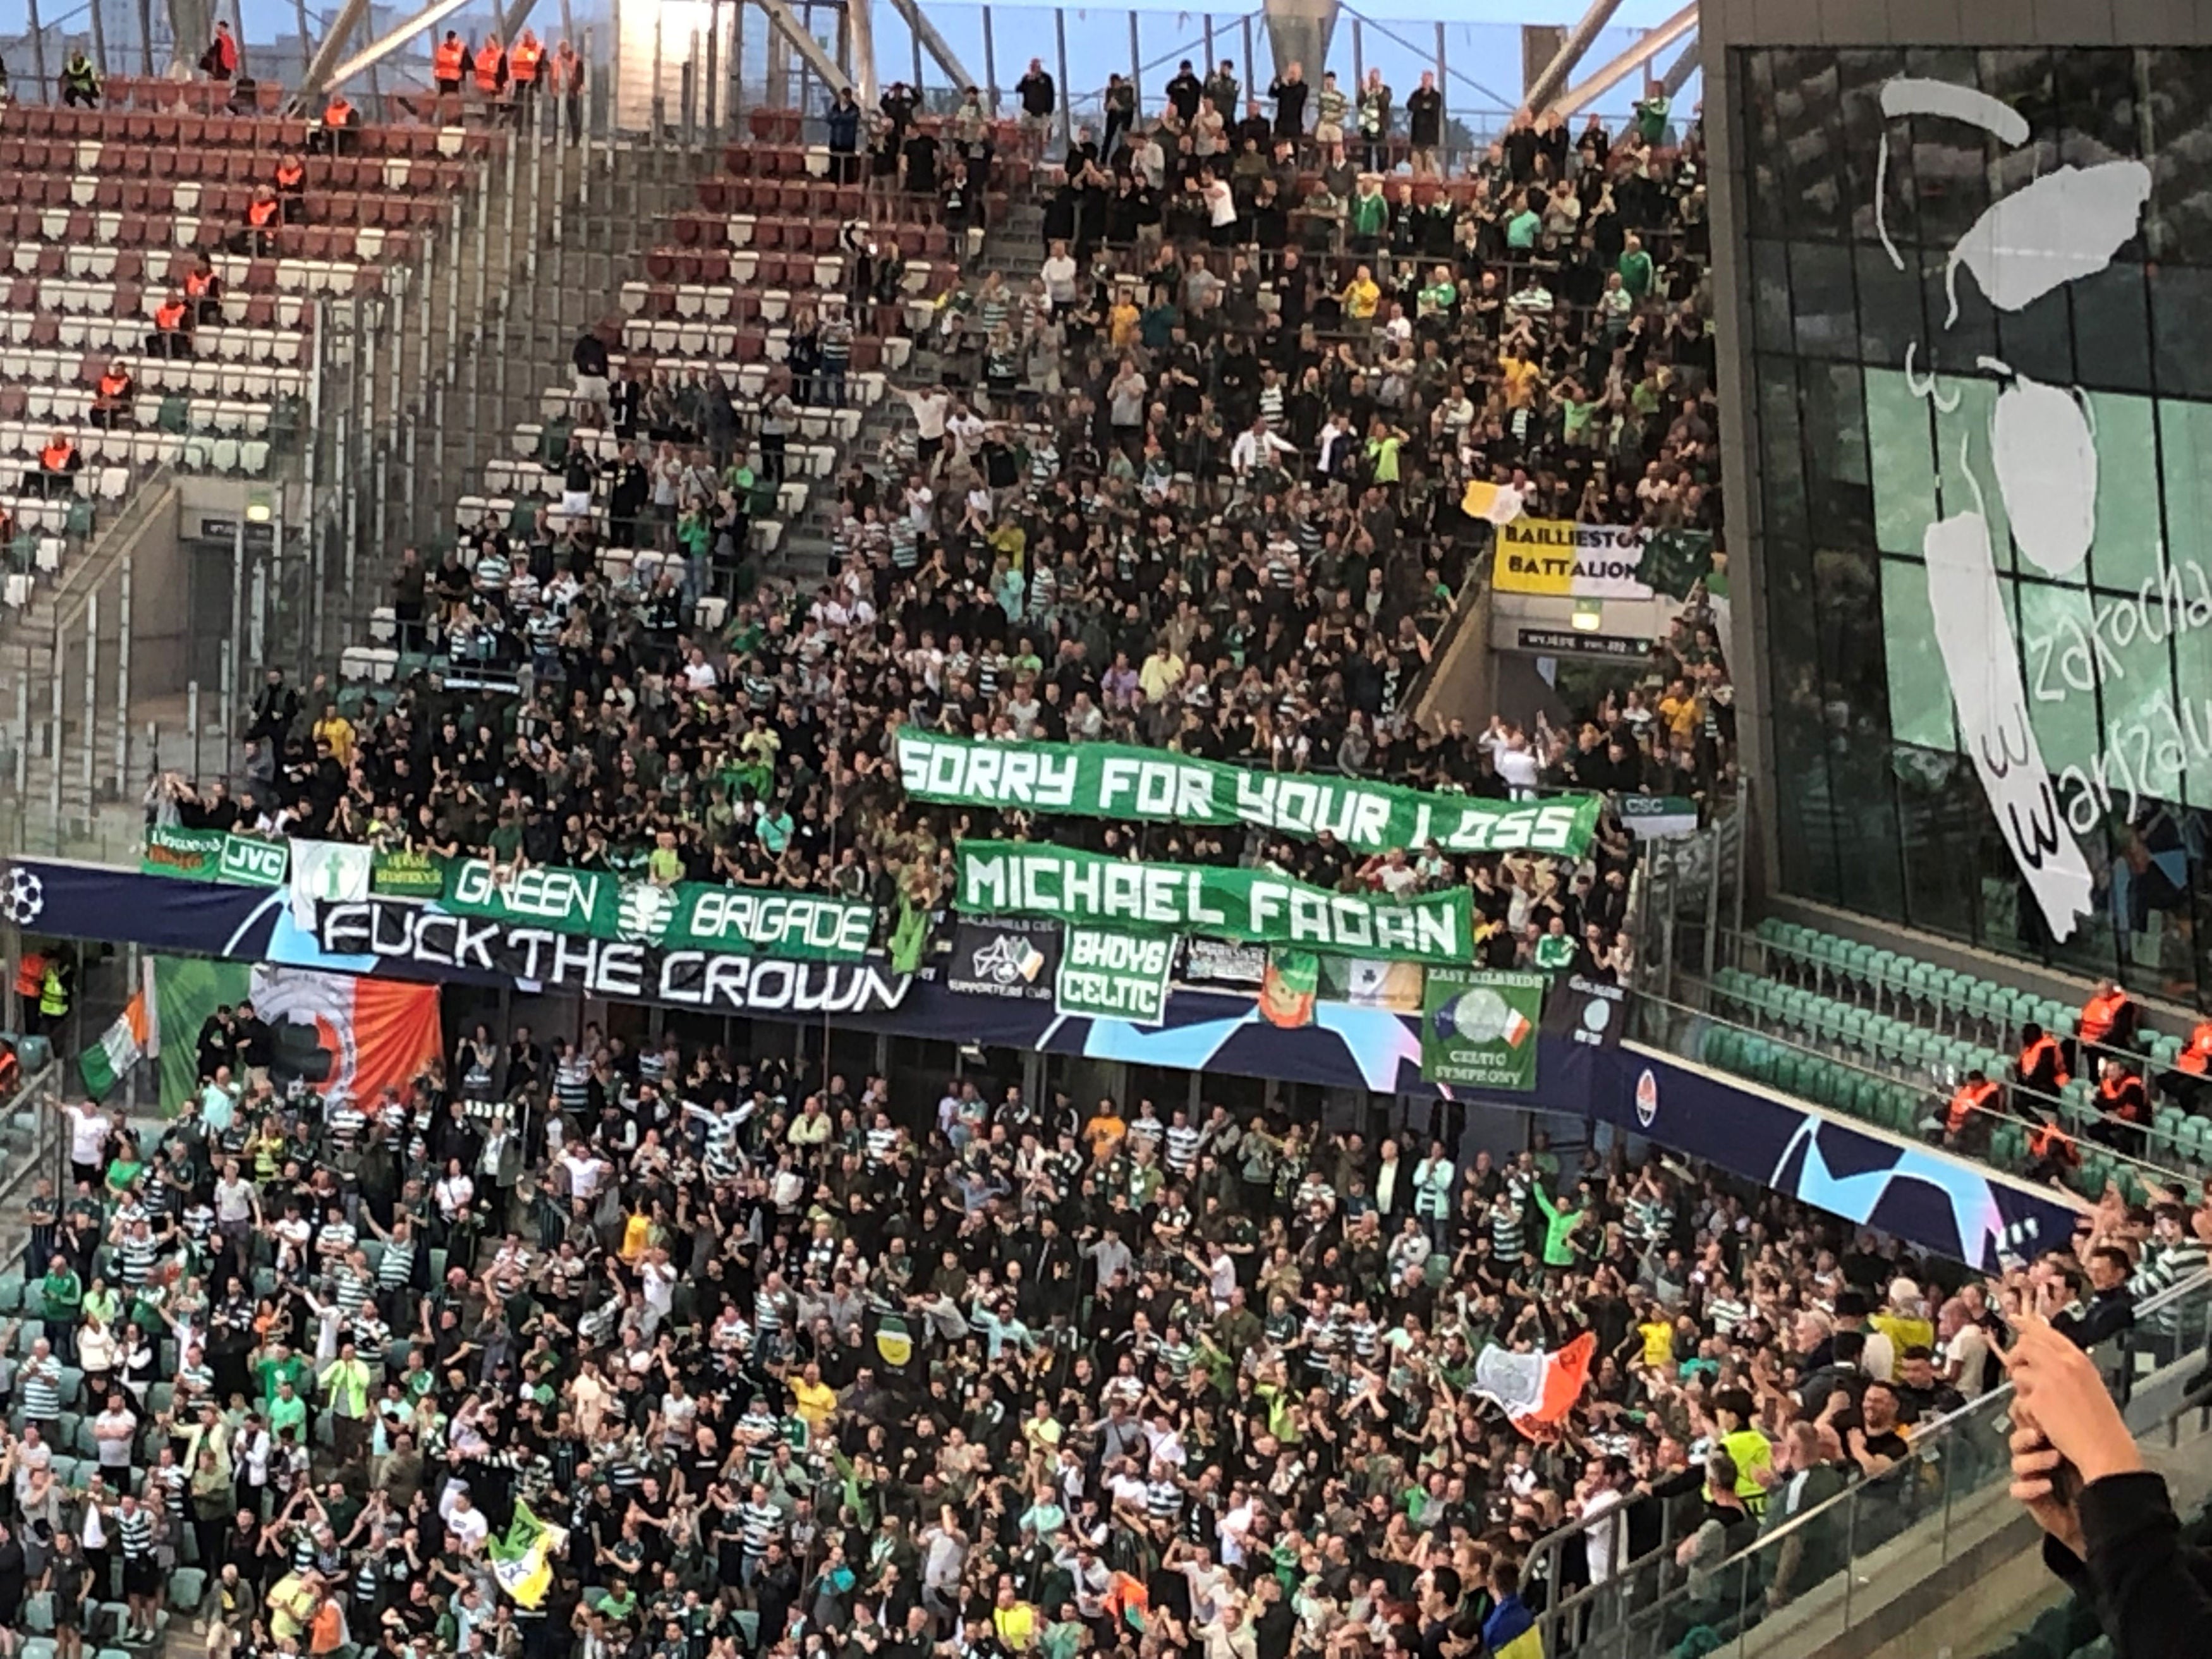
(327, 872)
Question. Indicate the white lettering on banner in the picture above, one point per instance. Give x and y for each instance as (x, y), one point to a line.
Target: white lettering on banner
(1121, 953)
(768, 920)
(1098, 992)
(551, 895)
(1306, 806)
(261, 861)
(1155, 789)
(992, 776)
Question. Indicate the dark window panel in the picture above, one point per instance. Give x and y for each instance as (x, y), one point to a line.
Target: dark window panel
(2111, 329)
(2037, 340)
(1890, 313)
(2177, 104)
(2100, 105)
(1781, 463)
(2181, 323)
(1771, 330)
(1821, 294)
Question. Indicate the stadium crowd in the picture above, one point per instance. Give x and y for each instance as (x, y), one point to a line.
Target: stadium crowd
(802, 1367)
(1201, 509)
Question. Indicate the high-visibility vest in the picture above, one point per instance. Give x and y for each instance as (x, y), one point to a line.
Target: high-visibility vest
(449, 61)
(199, 284)
(170, 315)
(2101, 1014)
(53, 996)
(261, 214)
(487, 63)
(55, 457)
(30, 973)
(568, 73)
(114, 385)
(81, 76)
(1969, 1098)
(2197, 1055)
(2049, 1140)
(522, 62)
(289, 176)
(2123, 1097)
(2045, 1047)
(337, 112)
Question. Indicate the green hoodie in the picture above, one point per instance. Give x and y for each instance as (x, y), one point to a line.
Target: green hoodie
(1559, 1225)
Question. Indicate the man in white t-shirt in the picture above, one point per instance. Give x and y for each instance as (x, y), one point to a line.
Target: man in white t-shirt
(89, 1128)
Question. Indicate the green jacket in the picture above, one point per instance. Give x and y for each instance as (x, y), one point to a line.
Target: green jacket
(1558, 1226)
(64, 1293)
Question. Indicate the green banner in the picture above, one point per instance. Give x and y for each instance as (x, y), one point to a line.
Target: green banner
(408, 875)
(1111, 976)
(1479, 1028)
(213, 855)
(187, 990)
(1152, 785)
(1000, 878)
(690, 915)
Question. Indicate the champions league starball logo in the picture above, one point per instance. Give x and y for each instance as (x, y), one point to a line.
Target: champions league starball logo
(23, 896)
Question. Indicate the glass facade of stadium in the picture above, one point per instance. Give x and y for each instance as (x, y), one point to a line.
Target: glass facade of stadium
(1972, 286)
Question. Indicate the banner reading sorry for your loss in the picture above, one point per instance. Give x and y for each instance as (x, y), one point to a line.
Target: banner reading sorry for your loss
(1020, 878)
(1154, 786)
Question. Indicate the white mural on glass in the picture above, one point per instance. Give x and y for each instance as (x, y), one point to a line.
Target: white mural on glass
(2066, 225)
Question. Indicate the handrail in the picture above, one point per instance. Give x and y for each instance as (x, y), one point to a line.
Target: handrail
(2164, 1175)
(1925, 1436)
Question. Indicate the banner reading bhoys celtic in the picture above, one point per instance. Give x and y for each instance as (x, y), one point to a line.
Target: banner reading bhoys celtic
(690, 915)
(213, 855)
(1152, 785)
(1018, 878)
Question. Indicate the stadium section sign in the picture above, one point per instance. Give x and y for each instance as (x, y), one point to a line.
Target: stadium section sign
(1021, 878)
(1155, 785)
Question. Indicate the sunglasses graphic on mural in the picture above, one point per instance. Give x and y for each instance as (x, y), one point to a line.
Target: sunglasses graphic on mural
(2068, 225)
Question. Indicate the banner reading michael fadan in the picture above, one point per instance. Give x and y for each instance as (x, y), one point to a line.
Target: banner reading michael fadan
(1038, 879)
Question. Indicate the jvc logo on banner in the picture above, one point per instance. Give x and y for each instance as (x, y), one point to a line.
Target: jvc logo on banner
(253, 863)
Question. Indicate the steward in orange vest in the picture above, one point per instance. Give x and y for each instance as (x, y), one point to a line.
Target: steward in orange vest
(1967, 1117)
(449, 61)
(491, 67)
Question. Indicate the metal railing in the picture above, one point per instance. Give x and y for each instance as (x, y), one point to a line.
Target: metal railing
(32, 1148)
(1812, 1576)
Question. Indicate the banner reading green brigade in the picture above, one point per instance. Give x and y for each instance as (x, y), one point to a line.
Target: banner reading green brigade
(1019, 878)
(1152, 785)
(1478, 1028)
(408, 875)
(690, 915)
(213, 855)
(1108, 975)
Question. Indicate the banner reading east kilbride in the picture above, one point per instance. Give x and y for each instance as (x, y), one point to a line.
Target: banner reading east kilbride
(690, 915)
(1021, 878)
(1154, 786)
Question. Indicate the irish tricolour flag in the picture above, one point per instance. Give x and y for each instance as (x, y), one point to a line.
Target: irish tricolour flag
(120, 1048)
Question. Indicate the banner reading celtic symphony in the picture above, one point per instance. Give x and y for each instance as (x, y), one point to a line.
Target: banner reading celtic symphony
(1154, 786)
(1020, 878)
(690, 915)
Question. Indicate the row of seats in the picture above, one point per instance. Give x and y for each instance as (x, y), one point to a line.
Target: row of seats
(151, 411)
(163, 116)
(751, 266)
(124, 333)
(322, 245)
(790, 160)
(109, 173)
(816, 221)
(1900, 1107)
(691, 344)
(27, 370)
(2177, 1138)
(166, 262)
(1856, 970)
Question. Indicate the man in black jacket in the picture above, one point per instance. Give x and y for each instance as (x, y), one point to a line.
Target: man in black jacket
(276, 705)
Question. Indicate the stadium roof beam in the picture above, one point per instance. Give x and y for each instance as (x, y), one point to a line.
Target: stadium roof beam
(1299, 32)
(321, 73)
(934, 44)
(861, 38)
(517, 16)
(319, 70)
(1685, 67)
(1580, 38)
(804, 44)
(1604, 79)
